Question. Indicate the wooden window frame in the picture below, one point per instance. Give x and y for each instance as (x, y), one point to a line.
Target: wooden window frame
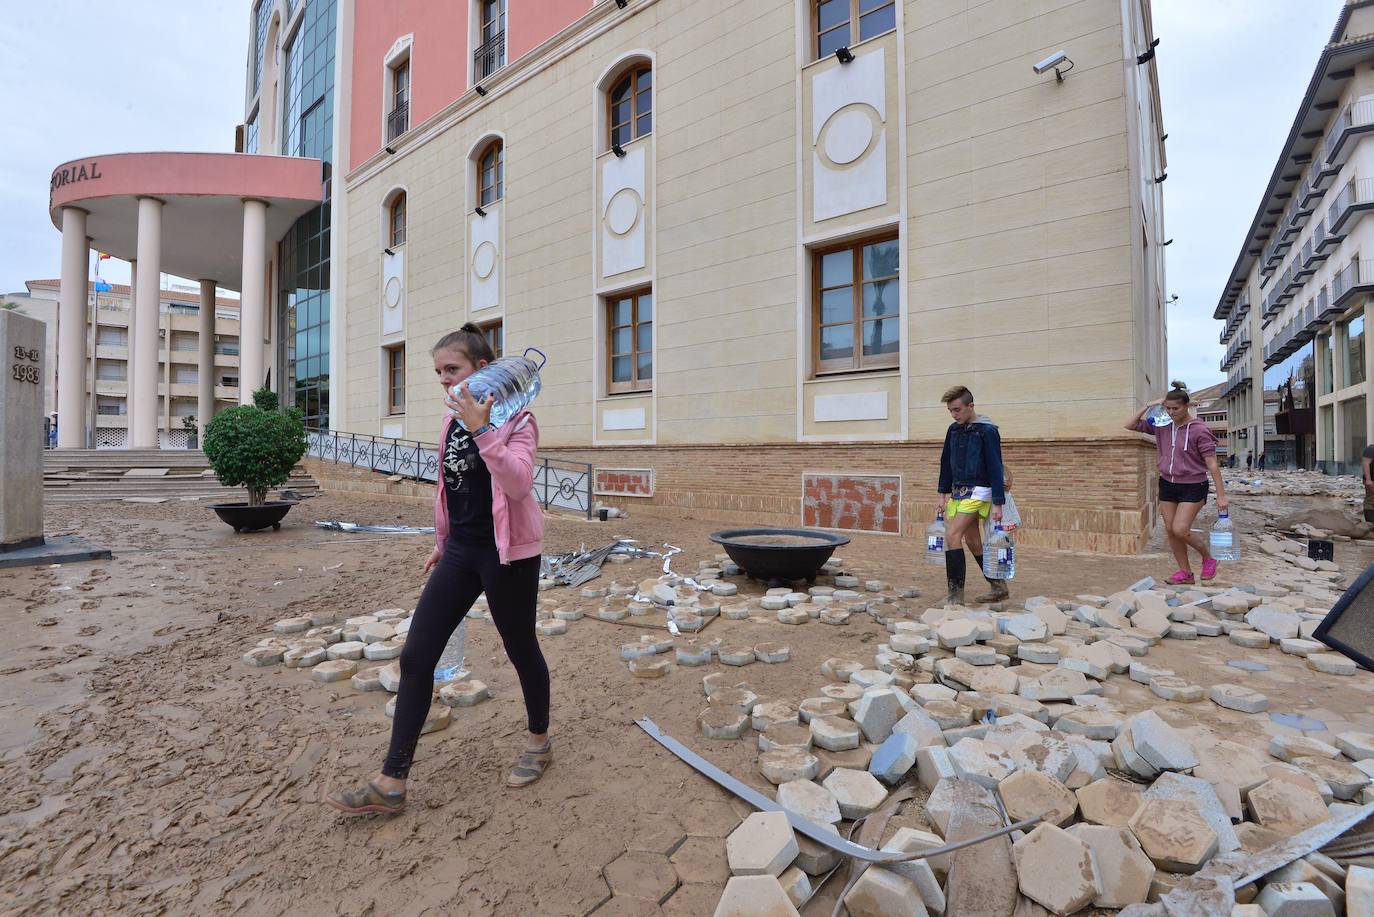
(857, 363)
(395, 380)
(851, 24)
(396, 221)
(497, 150)
(400, 85)
(634, 385)
(497, 22)
(492, 331)
(630, 74)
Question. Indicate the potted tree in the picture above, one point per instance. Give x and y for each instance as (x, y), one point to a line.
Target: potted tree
(255, 446)
(188, 423)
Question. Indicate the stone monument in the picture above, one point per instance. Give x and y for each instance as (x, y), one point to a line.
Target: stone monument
(21, 451)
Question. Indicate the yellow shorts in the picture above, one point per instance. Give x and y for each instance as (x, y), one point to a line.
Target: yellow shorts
(970, 507)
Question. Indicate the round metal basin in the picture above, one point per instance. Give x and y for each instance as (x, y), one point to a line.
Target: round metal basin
(779, 554)
(245, 518)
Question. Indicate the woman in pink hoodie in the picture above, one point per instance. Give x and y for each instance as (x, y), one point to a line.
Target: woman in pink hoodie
(488, 535)
(1187, 455)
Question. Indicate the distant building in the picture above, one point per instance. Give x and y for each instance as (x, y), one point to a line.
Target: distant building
(1211, 409)
(179, 370)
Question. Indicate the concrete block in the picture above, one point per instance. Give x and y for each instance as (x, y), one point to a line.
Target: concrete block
(877, 711)
(763, 844)
(894, 758)
(750, 896)
(1294, 899)
(1055, 869)
(1238, 697)
(883, 893)
(1359, 891)
(466, 693)
(833, 733)
(1200, 794)
(1160, 744)
(1288, 747)
(809, 800)
(723, 723)
(1174, 835)
(782, 765)
(334, 670)
(1331, 664)
(1028, 793)
(1123, 871)
(785, 735)
(1286, 807)
(858, 792)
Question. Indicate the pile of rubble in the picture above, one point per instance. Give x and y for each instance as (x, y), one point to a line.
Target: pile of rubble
(1018, 713)
(1347, 487)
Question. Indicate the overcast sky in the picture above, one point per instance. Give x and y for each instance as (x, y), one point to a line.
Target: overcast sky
(85, 78)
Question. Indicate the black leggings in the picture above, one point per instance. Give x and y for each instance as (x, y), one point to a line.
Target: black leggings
(465, 571)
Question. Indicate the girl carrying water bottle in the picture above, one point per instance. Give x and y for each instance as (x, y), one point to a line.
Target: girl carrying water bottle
(1187, 455)
(488, 534)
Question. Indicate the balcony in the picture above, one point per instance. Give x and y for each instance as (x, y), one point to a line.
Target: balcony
(1313, 190)
(1354, 119)
(1350, 204)
(1354, 280)
(1319, 243)
(227, 349)
(1303, 199)
(489, 57)
(1325, 309)
(398, 121)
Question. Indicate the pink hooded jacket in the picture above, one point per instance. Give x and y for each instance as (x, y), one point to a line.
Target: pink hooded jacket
(517, 517)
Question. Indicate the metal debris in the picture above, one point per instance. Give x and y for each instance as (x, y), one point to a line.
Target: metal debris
(334, 525)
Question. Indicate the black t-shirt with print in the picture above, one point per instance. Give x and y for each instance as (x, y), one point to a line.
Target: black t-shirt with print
(467, 488)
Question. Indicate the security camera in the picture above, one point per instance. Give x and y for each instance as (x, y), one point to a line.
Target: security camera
(1051, 62)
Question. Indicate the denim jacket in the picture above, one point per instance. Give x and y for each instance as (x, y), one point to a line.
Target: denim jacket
(973, 456)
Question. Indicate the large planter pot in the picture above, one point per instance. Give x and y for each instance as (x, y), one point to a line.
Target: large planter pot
(785, 555)
(245, 518)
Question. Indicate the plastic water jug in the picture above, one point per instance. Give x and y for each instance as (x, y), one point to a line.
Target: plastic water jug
(513, 382)
(450, 667)
(1222, 539)
(999, 555)
(1156, 416)
(935, 540)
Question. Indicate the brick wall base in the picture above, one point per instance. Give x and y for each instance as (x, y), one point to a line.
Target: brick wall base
(334, 478)
(1094, 495)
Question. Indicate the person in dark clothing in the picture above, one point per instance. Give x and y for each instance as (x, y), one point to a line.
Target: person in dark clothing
(972, 488)
(488, 534)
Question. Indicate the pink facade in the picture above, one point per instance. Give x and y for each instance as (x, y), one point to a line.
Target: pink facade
(439, 55)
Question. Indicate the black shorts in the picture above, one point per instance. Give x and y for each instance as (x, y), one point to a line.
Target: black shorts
(1169, 492)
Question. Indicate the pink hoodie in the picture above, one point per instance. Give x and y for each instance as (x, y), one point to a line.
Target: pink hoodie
(518, 518)
(1182, 458)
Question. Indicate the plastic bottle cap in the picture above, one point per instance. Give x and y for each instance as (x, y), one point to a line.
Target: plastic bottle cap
(1225, 515)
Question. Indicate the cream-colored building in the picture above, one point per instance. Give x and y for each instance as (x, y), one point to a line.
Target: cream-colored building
(758, 241)
(1296, 302)
(178, 367)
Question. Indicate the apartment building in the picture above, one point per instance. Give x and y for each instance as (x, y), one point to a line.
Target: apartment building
(758, 241)
(1294, 305)
(105, 375)
(1210, 408)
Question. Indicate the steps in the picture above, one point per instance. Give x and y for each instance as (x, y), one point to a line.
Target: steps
(83, 475)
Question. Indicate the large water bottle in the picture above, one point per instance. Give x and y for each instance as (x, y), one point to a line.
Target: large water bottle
(999, 555)
(513, 382)
(450, 667)
(1222, 539)
(1156, 416)
(935, 541)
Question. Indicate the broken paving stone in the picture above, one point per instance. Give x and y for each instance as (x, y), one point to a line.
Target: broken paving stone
(334, 670)
(793, 616)
(811, 801)
(367, 680)
(877, 711)
(1296, 646)
(833, 733)
(390, 677)
(376, 632)
(1110, 801)
(1286, 807)
(1288, 747)
(1345, 781)
(1098, 724)
(1123, 871)
(956, 632)
(772, 652)
(1203, 797)
(871, 678)
(1274, 622)
(1055, 869)
(981, 762)
(839, 668)
(785, 735)
(843, 693)
(766, 714)
(782, 765)
(723, 723)
(949, 714)
(303, 657)
(762, 845)
(894, 758)
(1173, 835)
(466, 693)
(858, 793)
(1028, 793)
(348, 649)
(736, 655)
(1250, 639)
(438, 717)
(1293, 899)
(882, 893)
(1238, 697)
(1331, 664)
(1357, 746)
(650, 667)
(1160, 744)
(1178, 690)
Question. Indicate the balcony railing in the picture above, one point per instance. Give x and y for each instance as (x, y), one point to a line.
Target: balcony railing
(398, 121)
(1355, 118)
(228, 350)
(489, 57)
(1354, 279)
(557, 483)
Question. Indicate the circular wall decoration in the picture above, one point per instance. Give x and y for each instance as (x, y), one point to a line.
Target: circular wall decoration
(622, 213)
(847, 135)
(393, 292)
(484, 260)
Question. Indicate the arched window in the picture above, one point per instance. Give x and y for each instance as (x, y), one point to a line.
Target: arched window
(630, 106)
(491, 174)
(396, 221)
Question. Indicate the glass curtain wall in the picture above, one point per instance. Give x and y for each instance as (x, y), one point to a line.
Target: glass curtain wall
(307, 130)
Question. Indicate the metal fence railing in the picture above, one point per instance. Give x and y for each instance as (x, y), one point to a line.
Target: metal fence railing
(558, 483)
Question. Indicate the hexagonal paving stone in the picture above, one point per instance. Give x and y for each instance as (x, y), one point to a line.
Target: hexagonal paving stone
(833, 733)
(753, 896)
(701, 860)
(1238, 697)
(1124, 872)
(723, 723)
(1173, 835)
(878, 711)
(1028, 793)
(638, 874)
(653, 832)
(883, 893)
(809, 800)
(786, 764)
(858, 792)
(1285, 807)
(763, 844)
(1055, 869)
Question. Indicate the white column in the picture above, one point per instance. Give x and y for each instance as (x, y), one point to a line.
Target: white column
(205, 369)
(143, 362)
(71, 332)
(251, 299)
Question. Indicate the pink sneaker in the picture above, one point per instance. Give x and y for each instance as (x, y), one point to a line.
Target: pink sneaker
(1209, 569)
(1181, 578)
